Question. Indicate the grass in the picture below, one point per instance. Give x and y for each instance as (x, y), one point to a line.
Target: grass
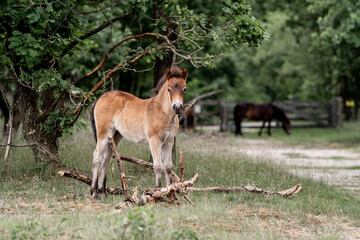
(36, 203)
(296, 155)
(347, 136)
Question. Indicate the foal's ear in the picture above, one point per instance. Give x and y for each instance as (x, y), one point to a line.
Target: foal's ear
(184, 73)
(168, 73)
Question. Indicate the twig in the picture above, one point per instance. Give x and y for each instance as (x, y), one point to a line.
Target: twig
(101, 82)
(112, 49)
(195, 100)
(121, 168)
(83, 178)
(181, 164)
(10, 125)
(291, 192)
(187, 198)
(25, 145)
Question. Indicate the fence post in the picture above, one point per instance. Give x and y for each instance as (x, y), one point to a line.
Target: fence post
(336, 112)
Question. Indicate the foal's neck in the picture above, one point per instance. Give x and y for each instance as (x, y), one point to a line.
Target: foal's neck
(163, 99)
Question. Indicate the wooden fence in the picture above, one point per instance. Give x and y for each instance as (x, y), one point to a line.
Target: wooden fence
(301, 114)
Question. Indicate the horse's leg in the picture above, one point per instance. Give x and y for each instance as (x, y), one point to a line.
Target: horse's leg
(102, 171)
(240, 132)
(269, 128)
(238, 126)
(108, 153)
(167, 160)
(237, 119)
(155, 148)
(262, 127)
(98, 158)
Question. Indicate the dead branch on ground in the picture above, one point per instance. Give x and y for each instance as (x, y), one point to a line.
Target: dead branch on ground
(85, 179)
(154, 195)
(290, 192)
(121, 168)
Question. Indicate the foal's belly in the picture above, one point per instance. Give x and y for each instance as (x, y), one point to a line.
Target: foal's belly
(131, 129)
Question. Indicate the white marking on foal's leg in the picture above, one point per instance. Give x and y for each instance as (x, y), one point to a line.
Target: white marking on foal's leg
(155, 147)
(97, 159)
(102, 170)
(167, 160)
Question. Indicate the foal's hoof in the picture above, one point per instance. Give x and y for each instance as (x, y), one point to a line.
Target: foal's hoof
(94, 196)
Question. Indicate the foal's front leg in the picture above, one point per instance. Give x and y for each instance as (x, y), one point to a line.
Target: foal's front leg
(166, 152)
(155, 148)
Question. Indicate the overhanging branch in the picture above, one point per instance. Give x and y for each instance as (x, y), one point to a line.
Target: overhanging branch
(95, 31)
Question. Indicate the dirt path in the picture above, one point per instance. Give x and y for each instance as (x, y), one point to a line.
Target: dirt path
(330, 164)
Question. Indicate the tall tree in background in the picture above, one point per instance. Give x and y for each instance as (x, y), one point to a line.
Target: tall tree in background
(334, 28)
(41, 40)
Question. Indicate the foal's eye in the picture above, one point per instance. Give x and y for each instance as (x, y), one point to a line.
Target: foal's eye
(185, 89)
(169, 89)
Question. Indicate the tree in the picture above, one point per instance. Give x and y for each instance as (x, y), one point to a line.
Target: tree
(41, 39)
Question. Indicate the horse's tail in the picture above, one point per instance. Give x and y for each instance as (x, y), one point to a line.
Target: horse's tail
(92, 119)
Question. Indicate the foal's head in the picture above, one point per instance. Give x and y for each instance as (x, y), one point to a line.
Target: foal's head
(176, 82)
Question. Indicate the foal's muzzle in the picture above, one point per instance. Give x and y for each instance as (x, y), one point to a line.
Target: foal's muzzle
(178, 108)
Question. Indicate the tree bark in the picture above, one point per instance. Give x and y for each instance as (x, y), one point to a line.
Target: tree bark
(46, 149)
(162, 64)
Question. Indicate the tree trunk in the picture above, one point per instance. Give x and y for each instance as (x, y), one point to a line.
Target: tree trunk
(162, 64)
(46, 149)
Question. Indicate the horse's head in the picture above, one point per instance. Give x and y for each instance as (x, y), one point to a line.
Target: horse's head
(176, 82)
(287, 127)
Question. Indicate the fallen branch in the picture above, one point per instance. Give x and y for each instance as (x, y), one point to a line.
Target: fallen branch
(181, 165)
(291, 192)
(146, 164)
(121, 168)
(195, 100)
(85, 179)
(154, 195)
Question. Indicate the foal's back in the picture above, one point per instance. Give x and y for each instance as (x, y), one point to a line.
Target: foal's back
(122, 112)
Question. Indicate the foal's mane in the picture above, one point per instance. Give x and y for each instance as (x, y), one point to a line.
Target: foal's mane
(175, 72)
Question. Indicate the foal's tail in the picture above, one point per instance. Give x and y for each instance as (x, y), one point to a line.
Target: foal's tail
(92, 118)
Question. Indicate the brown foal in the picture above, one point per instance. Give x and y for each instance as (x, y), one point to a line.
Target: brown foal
(153, 121)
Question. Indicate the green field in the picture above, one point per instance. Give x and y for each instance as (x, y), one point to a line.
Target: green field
(36, 203)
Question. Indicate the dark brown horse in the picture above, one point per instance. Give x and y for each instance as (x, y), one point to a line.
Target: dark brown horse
(265, 112)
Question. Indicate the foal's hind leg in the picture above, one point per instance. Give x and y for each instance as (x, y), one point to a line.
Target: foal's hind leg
(102, 171)
(98, 158)
(108, 153)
